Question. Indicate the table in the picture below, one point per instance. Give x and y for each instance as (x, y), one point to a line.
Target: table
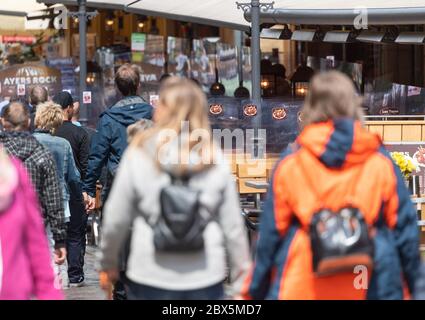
(418, 200)
(258, 184)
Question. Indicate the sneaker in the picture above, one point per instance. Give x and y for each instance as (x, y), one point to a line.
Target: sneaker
(77, 284)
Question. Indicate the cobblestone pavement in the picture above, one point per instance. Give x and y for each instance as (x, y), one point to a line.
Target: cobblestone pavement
(91, 290)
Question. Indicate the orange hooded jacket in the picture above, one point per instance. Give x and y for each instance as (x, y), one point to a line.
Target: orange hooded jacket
(335, 165)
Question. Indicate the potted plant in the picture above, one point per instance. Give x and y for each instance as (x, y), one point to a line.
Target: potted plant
(408, 165)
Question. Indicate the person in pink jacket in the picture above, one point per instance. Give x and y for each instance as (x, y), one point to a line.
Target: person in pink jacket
(25, 267)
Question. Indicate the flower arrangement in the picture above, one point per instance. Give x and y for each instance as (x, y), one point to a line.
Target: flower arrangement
(406, 163)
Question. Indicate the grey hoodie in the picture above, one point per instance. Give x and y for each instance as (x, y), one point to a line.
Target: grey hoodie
(135, 198)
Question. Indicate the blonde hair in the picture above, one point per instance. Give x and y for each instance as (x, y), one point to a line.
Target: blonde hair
(184, 102)
(332, 95)
(48, 116)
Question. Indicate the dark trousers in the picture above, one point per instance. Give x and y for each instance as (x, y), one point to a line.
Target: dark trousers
(119, 290)
(137, 291)
(76, 239)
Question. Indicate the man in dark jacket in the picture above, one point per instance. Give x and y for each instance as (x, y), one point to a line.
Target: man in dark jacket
(79, 141)
(41, 168)
(78, 138)
(110, 140)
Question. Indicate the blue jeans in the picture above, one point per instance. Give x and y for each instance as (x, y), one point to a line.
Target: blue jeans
(137, 291)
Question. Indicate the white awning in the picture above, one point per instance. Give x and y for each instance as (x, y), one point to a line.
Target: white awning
(13, 15)
(225, 13)
(212, 12)
(222, 13)
(337, 12)
(19, 7)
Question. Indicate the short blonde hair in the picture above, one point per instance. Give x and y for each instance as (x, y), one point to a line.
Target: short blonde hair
(48, 116)
(332, 95)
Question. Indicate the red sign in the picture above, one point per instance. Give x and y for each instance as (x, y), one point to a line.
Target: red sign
(22, 39)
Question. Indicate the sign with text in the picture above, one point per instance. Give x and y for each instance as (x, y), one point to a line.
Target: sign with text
(138, 41)
(19, 80)
(20, 39)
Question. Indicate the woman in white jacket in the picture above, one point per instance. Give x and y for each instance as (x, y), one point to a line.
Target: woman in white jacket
(179, 145)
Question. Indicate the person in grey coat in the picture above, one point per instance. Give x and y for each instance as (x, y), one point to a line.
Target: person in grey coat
(144, 171)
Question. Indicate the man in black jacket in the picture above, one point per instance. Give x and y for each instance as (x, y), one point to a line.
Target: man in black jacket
(77, 136)
(79, 141)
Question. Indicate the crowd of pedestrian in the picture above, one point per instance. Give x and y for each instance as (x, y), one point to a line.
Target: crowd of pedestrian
(63, 160)
(171, 223)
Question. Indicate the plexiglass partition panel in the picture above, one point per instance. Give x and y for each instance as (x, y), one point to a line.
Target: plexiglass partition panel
(279, 119)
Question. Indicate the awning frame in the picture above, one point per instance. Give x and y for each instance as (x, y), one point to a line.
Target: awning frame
(13, 13)
(376, 16)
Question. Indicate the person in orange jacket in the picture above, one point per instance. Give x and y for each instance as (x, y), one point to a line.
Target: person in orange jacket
(334, 164)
